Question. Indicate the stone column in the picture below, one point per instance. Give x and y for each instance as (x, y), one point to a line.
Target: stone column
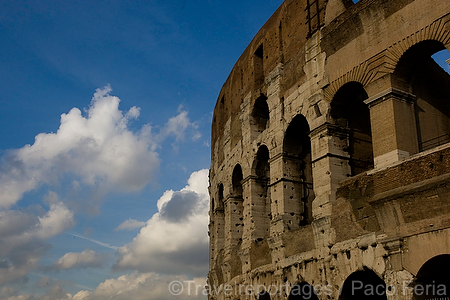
(393, 122)
(256, 213)
(219, 230)
(287, 192)
(256, 217)
(330, 166)
(233, 235)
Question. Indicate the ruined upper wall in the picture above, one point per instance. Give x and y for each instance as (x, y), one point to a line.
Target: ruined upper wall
(371, 30)
(282, 38)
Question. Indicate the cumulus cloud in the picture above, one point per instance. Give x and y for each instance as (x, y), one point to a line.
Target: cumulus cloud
(172, 246)
(177, 126)
(175, 239)
(96, 152)
(145, 286)
(56, 292)
(23, 238)
(97, 148)
(130, 224)
(182, 205)
(85, 259)
(136, 286)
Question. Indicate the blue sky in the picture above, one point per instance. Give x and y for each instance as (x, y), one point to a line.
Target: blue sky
(105, 131)
(105, 113)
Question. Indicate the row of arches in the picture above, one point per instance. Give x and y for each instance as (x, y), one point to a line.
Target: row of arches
(432, 282)
(417, 118)
(296, 180)
(415, 74)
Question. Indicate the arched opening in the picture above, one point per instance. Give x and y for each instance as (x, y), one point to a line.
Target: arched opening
(433, 279)
(364, 284)
(262, 168)
(264, 295)
(219, 220)
(235, 220)
(302, 291)
(417, 73)
(349, 111)
(260, 114)
(297, 172)
(237, 182)
(261, 193)
(220, 204)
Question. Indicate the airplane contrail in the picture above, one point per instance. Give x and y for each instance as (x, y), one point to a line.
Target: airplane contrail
(92, 240)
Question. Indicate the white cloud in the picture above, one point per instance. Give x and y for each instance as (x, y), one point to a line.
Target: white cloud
(96, 151)
(85, 259)
(173, 242)
(97, 148)
(23, 238)
(130, 224)
(136, 286)
(145, 286)
(55, 221)
(175, 239)
(56, 293)
(177, 126)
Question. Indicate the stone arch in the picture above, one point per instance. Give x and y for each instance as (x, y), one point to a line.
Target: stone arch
(436, 31)
(261, 167)
(260, 193)
(348, 111)
(371, 70)
(237, 177)
(297, 172)
(260, 115)
(234, 215)
(363, 284)
(433, 279)
(264, 295)
(418, 74)
(220, 199)
(302, 291)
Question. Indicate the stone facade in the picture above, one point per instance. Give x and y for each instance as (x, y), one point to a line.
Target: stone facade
(331, 156)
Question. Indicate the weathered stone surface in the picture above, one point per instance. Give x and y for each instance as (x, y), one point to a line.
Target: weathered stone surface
(331, 153)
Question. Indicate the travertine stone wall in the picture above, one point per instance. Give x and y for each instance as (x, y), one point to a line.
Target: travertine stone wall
(330, 154)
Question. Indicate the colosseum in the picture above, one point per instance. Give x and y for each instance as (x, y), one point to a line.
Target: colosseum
(330, 171)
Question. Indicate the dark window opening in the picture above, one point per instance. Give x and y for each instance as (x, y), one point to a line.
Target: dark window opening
(264, 295)
(298, 169)
(302, 291)
(236, 218)
(433, 279)
(220, 205)
(260, 114)
(237, 181)
(258, 65)
(349, 111)
(262, 168)
(364, 284)
(418, 73)
(260, 188)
